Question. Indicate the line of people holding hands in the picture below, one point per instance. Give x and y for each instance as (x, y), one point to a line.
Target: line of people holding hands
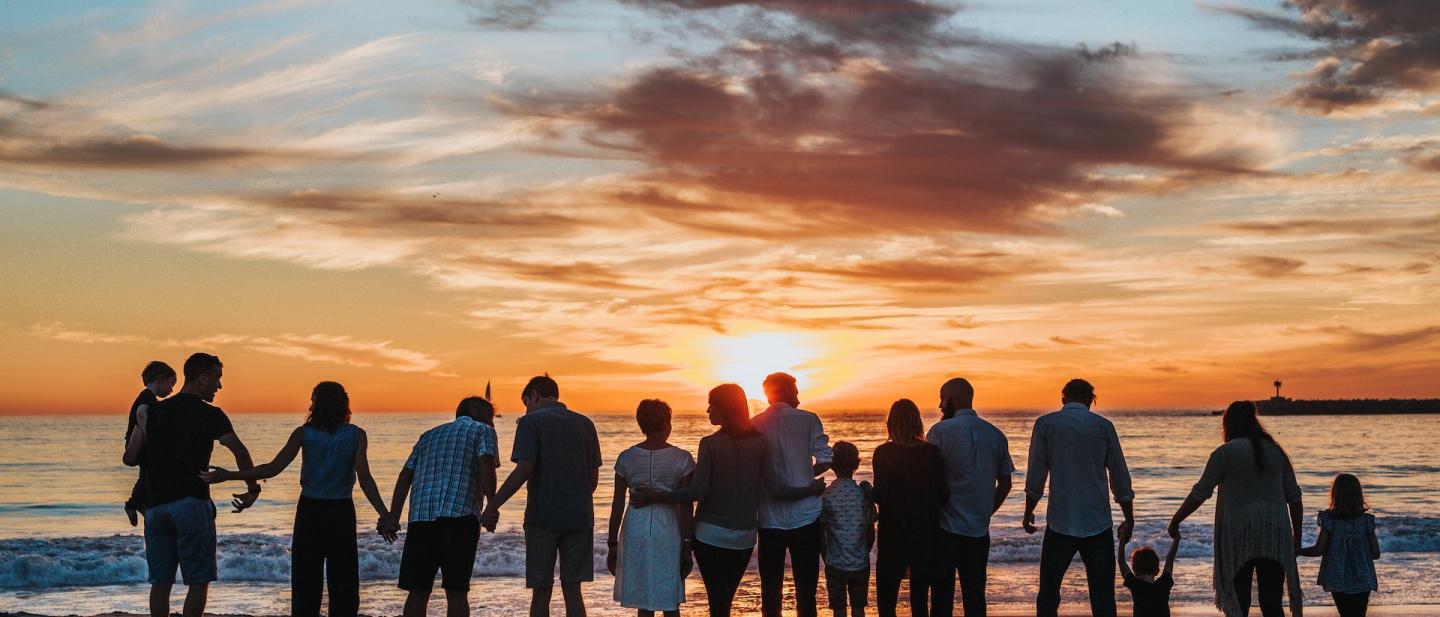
(754, 486)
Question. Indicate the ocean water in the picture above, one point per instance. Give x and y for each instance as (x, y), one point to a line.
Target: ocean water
(66, 548)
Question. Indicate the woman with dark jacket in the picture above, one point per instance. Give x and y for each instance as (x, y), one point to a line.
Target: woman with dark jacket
(910, 490)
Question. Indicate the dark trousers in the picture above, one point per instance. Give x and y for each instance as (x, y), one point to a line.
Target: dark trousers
(887, 594)
(804, 546)
(721, 570)
(1098, 554)
(323, 551)
(968, 558)
(1351, 604)
(1270, 577)
(847, 587)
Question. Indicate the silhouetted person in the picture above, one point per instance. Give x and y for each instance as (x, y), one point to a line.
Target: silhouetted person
(1077, 450)
(1149, 586)
(177, 436)
(848, 515)
(1348, 547)
(159, 380)
(450, 472)
(323, 548)
(1257, 516)
(799, 451)
(977, 469)
(910, 490)
(557, 456)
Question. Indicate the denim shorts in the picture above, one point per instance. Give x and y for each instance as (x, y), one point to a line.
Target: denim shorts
(181, 533)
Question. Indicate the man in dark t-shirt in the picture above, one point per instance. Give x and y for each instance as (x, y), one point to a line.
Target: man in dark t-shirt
(557, 455)
(177, 436)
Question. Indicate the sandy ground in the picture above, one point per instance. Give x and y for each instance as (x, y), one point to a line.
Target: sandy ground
(1423, 610)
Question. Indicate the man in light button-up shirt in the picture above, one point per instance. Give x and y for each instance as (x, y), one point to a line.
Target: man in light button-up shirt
(1079, 450)
(797, 450)
(977, 469)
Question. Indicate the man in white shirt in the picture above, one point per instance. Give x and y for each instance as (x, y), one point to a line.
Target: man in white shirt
(1080, 449)
(978, 469)
(797, 452)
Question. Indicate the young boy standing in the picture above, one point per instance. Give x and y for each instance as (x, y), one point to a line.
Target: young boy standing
(848, 526)
(159, 380)
(1149, 586)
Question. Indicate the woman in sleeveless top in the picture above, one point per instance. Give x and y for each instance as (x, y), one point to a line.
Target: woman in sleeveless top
(323, 544)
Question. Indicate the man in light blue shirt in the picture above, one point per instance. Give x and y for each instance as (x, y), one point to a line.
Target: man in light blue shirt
(1079, 451)
(977, 468)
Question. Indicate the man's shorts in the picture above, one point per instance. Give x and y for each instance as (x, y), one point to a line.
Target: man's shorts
(444, 544)
(181, 533)
(575, 548)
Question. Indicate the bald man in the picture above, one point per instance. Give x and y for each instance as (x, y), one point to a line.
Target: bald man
(977, 468)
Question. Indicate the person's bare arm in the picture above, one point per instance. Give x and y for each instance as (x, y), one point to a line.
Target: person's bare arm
(487, 473)
(686, 514)
(363, 475)
(131, 457)
(617, 513)
(397, 503)
(1003, 485)
(1297, 520)
(517, 478)
(241, 501)
(1170, 556)
(1188, 507)
(1322, 542)
(1125, 572)
(1374, 545)
(594, 479)
(282, 459)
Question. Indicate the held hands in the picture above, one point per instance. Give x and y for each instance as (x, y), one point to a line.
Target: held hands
(388, 527)
(216, 475)
(1028, 522)
(1127, 528)
(490, 518)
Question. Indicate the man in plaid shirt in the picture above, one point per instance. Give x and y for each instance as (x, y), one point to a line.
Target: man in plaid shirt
(450, 470)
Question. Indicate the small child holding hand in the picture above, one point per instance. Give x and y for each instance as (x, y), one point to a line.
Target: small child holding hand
(1149, 586)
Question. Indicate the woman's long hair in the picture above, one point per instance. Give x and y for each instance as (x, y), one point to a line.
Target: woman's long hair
(1347, 499)
(903, 424)
(1242, 422)
(329, 407)
(733, 409)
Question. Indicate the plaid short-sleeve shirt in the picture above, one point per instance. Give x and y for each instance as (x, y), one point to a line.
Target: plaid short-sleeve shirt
(446, 464)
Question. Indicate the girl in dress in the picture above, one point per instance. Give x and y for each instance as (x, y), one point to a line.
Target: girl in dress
(1348, 547)
(650, 551)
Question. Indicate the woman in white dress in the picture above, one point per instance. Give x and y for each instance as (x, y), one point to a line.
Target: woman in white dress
(650, 551)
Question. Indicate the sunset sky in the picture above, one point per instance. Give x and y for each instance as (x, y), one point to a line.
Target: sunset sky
(1177, 200)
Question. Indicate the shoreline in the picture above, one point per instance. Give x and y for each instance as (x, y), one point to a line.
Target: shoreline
(1398, 610)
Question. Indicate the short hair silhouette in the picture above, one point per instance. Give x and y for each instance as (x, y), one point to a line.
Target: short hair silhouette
(329, 407)
(846, 459)
(653, 415)
(1145, 560)
(782, 387)
(541, 386)
(154, 371)
(1079, 391)
(477, 407)
(200, 364)
(903, 424)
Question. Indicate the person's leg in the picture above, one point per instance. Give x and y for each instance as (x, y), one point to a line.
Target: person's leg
(919, 592)
(577, 566)
(307, 559)
(805, 549)
(1242, 586)
(416, 602)
(457, 603)
(161, 558)
(887, 595)
(195, 597)
(574, 598)
(342, 562)
(942, 590)
(1351, 604)
(720, 571)
(541, 550)
(835, 590)
(859, 587)
(1098, 554)
(1270, 578)
(773, 543)
(1056, 551)
(540, 600)
(972, 560)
